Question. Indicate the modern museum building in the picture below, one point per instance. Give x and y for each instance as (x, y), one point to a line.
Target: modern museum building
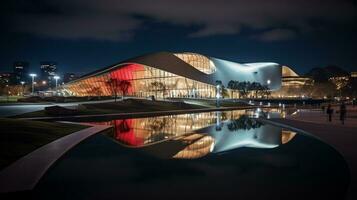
(175, 75)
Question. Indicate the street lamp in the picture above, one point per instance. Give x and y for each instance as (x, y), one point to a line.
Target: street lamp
(56, 78)
(22, 84)
(218, 92)
(268, 81)
(33, 80)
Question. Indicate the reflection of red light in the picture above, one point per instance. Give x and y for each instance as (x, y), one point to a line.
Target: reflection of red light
(126, 73)
(124, 132)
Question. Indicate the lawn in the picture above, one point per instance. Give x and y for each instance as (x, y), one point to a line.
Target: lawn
(9, 99)
(20, 137)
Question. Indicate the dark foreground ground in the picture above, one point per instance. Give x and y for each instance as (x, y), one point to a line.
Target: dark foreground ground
(100, 168)
(20, 137)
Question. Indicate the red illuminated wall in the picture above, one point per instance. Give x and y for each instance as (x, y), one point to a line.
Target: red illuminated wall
(126, 73)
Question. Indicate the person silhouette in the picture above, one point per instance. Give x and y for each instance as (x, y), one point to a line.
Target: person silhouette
(343, 112)
(329, 112)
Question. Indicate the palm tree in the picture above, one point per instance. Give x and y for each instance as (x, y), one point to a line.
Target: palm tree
(254, 86)
(232, 85)
(242, 87)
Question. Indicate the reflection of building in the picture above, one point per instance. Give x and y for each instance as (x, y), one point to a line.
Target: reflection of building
(21, 72)
(5, 79)
(145, 131)
(195, 135)
(48, 71)
(198, 145)
(173, 75)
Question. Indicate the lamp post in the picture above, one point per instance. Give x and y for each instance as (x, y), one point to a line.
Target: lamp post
(56, 79)
(22, 85)
(268, 81)
(268, 87)
(7, 93)
(218, 92)
(33, 82)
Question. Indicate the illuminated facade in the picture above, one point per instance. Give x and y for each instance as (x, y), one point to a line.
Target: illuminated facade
(172, 75)
(339, 81)
(353, 75)
(293, 85)
(292, 79)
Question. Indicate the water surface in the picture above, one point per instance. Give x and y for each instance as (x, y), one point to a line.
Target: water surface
(197, 156)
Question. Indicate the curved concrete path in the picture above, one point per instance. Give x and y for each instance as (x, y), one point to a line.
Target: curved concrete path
(25, 173)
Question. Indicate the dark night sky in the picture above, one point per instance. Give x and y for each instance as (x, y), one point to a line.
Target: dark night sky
(82, 35)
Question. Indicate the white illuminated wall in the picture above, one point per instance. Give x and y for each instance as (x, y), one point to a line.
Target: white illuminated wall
(265, 73)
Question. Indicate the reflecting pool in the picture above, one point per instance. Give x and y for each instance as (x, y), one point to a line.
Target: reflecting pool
(199, 134)
(212, 155)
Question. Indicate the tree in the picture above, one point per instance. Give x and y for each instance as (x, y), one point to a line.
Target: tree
(159, 86)
(117, 85)
(243, 88)
(113, 85)
(264, 91)
(326, 89)
(124, 86)
(243, 123)
(350, 89)
(15, 90)
(224, 92)
(232, 85)
(255, 87)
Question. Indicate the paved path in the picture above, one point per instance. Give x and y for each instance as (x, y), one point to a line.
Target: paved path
(317, 116)
(25, 173)
(342, 137)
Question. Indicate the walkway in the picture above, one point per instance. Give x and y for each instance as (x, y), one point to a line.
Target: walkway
(25, 173)
(342, 137)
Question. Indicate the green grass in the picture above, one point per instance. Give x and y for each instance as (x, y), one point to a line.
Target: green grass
(10, 99)
(20, 137)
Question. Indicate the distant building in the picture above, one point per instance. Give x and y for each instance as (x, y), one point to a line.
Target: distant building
(69, 77)
(48, 71)
(293, 85)
(20, 72)
(290, 78)
(353, 74)
(339, 81)
(5, 78)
